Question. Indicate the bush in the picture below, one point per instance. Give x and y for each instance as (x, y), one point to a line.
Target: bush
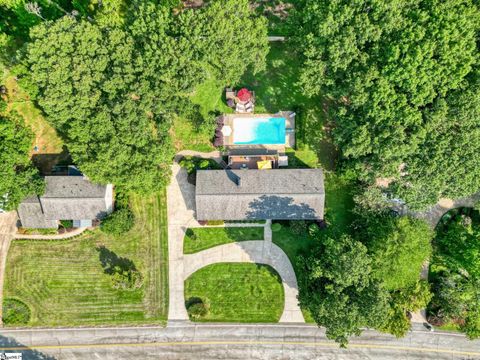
(313, 229)
(276, 227)
(196, 308)
(67, 224)
(15, 312)
(204, 164)
(298, 227)
(192, 164)
(118, 222)
(31, 231)
(215, 222)
(129, 279)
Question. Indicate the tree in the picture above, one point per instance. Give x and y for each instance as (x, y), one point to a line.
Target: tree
(96, 93)
(456, 267)
(449, 156)
(337, 286)
(402, 302)
(385, 65)
(231, 36)
(19, 179)
(399, 246)
(111, 91)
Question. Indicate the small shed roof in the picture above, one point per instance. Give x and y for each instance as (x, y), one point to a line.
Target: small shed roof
(244, 95)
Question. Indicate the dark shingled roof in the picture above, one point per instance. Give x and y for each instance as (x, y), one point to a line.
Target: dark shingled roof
(65, 198)
(280, 194)
(31, 215)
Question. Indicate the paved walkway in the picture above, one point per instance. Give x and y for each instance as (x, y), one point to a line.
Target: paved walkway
(181, 209)
(7, 231)
(432, 216)
(180, 203)
(261, 252)
(66, 235)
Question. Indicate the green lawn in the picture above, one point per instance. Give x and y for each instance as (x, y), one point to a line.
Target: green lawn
(63, 282)
(277, 89)
(338, 205)
(237, 292)
(208, 96)
(50, 148)
(197, 239)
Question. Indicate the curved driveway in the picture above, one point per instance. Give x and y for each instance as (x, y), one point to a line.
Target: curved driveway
(261, 252)
(181, 210)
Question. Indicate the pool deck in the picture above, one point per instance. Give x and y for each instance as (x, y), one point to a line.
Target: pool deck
(289, 136)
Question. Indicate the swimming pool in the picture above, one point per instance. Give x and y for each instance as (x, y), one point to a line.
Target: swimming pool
(259, 131)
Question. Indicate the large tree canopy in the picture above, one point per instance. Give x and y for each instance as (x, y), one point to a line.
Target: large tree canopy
(448, 158)
(385, 65)
(19, 178)
(93, 90)
(399, 246)
(110, 91)
(456, 269)
(337, 287)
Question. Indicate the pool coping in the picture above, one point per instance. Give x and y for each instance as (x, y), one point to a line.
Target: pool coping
(289, 117)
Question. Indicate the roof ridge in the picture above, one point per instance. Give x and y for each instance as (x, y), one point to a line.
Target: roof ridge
(72, 197)
(322, 192)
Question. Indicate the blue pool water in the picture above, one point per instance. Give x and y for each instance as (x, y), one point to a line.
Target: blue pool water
(259, 131)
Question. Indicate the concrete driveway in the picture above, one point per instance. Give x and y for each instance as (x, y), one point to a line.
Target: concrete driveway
(181, 215)
(7, 232)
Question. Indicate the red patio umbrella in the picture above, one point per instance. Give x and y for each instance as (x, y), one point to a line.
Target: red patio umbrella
(244, 95)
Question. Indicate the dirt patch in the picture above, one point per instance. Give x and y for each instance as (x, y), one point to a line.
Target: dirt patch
(275, 8)
(193, 4)
(446, 203)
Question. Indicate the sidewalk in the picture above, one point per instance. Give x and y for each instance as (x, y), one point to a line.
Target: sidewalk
(7, 231)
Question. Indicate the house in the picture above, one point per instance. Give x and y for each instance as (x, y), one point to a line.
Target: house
(277, 194)
(67, 198)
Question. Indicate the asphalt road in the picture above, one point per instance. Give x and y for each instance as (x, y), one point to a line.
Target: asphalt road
(217, 341)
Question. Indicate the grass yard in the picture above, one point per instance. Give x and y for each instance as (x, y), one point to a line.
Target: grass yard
(50, 149)
(338, 205)
(197, 239)
(64, 284)
(237, 292)
(186, 135)
(277, 89)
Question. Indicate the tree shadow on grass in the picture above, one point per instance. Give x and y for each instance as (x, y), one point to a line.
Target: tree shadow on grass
(27, 354)
(110, 261)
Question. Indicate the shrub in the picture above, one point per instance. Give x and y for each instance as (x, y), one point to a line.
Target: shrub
(31, 231)
(118, 222)
(192, 164)
(215, 222)
(129, 279)
(67, 224)
(298, 227)
(313, 229)
(276, 227)
(15, 312)
(196, 308)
